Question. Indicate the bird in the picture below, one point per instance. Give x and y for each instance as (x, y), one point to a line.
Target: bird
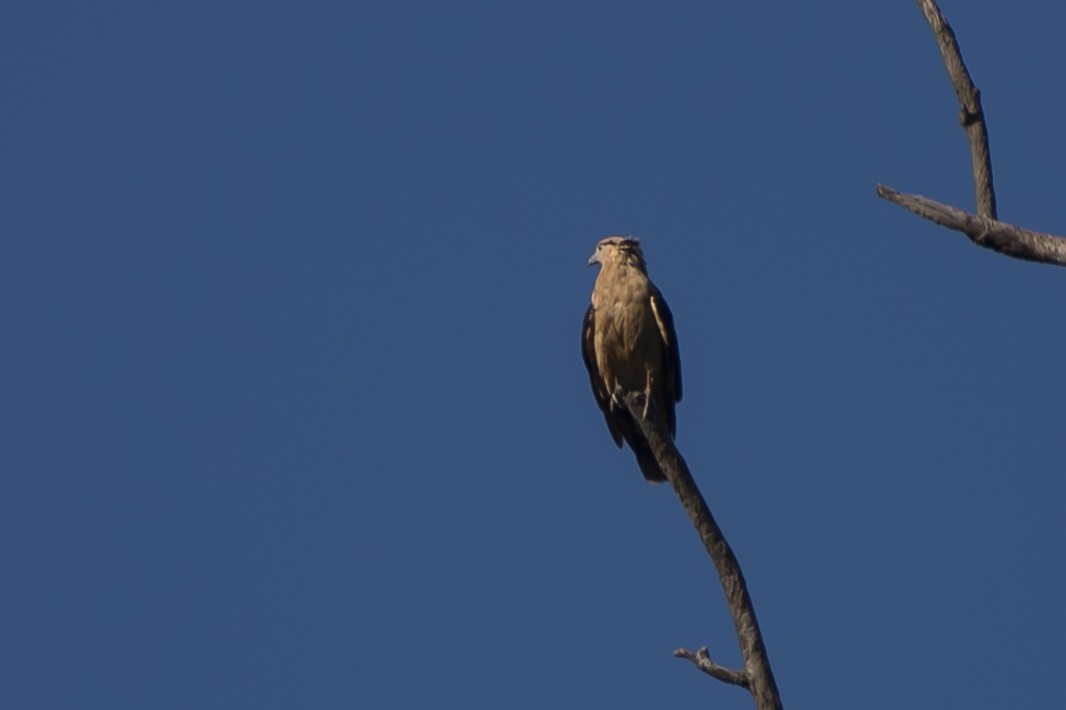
(629, 346)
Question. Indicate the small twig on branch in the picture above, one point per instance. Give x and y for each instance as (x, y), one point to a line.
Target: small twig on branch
(982, 228)
(757, 673)
(702, 659)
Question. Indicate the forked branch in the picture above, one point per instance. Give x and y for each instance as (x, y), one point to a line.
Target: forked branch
(983, 228)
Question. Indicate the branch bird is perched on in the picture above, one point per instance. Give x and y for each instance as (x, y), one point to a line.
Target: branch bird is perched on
(629, 345)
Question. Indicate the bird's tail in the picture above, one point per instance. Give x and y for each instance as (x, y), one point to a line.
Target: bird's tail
(649, 466)
(642, 450)
(633, 434)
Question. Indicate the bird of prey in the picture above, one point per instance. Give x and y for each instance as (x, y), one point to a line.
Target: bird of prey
(629, 345)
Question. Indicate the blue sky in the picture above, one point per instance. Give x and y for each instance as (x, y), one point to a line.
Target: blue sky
(295, 414)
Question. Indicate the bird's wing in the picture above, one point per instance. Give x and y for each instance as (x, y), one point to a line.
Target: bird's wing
(672, 360)
(599, 389)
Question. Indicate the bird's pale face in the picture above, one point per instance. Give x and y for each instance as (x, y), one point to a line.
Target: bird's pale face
(616, 250)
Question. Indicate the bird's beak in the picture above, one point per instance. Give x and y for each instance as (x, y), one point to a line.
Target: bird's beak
(594, 259)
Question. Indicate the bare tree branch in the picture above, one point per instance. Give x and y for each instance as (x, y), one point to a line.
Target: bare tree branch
(982, 228)
(971, 116)
(989, 233)
(757, 676)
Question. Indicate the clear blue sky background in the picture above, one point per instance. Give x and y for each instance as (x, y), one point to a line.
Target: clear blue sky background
(294, 414)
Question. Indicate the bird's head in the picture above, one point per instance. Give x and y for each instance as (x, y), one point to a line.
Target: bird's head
(613, 251)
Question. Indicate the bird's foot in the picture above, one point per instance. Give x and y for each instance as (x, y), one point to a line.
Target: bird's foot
(639, 399)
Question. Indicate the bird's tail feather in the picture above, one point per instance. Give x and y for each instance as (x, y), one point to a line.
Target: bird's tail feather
(622, 425)
(650, 467)
(645, 458)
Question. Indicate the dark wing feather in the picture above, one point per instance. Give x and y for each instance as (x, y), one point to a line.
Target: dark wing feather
(672, 362)
(599, 390)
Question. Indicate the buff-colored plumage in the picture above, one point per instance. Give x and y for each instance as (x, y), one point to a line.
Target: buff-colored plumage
(629, 345)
